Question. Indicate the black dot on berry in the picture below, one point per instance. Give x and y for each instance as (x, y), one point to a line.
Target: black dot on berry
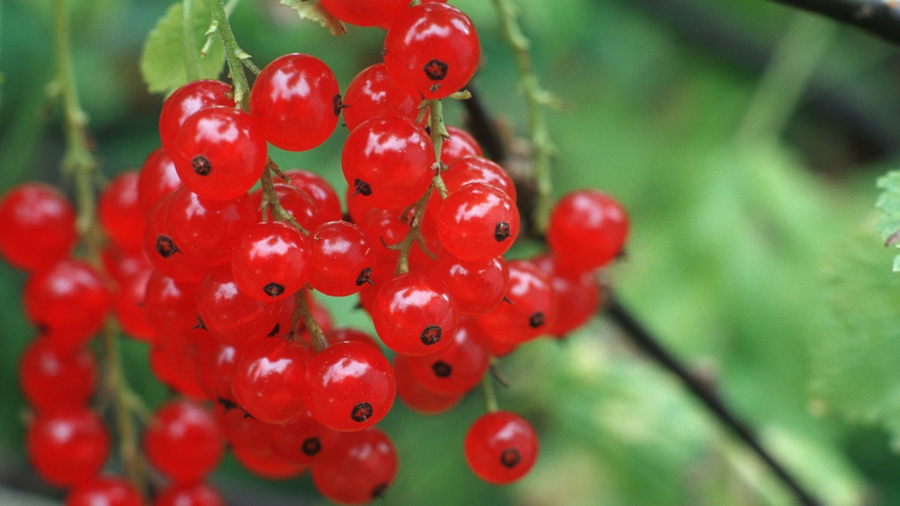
(431, 335)
(165, 246)
(200, 324)
(311, 446)
(436, 70)
(536, 320)
(441, 369)
(227, 404)
(501, 231)
(361, 412)
(509, 458)
(378, 491)
(364, 277)
(201, 165)
(337, 104)
(362, 188)
(275, 330)
(273, 289)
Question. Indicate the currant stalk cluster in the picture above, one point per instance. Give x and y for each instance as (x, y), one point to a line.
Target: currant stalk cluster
(219, 278)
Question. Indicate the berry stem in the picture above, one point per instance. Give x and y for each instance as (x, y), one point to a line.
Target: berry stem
(270, 199)
(191, 57)
(438, 134)
(235, 57)
(535, 98)
(489, 393)
(414, 235)
(316, 336)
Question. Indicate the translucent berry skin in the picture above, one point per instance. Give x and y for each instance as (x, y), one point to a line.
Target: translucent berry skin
(264, 462)
(320, 191)
(119, 212)
(531, 308)
(123, 265)
(342, 259)
(272, 262)
(241, 429)
(577, 295)
(216, 362)
(270, 380)
(37, 226)
(218, 153)
(303, 440)
(157, 179)
(361, 469)
(295, 102)
(432, 50)
(129, 307)
(206, 230)
(476, 287)
(67, 296)
(183, 442)
(459, 144)
(475, 169)
(199, 494)
(169, 304)
(501, 447)
(417, 396)
(173, 362)
(67, 448)
(105, 491)
(587, 229)
(340, 334)
(56, 379)
(365, 12)
(185, 101)
(414, 314)
(458, 367)
(298, 204)
(373, 93)
(230, 315)
(388, 160)
(350, 386)
(478, 222)
(163, 251)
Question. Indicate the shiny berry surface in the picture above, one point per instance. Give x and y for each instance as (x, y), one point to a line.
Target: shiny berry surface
(270, 380)
(417, 396)
(163, 251)
(298, 204)
(37, 226)
(342, 259)
(266, 463)
(67, 296)
(105, 491)
(55, 378)
(169, 304)
(475, 169)
(320, 191)
(120, 213)
(215, 372)
(186, 101)
(230, 315)
(587, 230)
(501, 447)
(458, 367)
(208, 230)
(530, 309)
(157, 179)
(458, 144)
(432, 49)
(577, 295)
(272, 261)
(361, 469)
(295, 102)
(365, 12)
(303, 440)
(68, 447)
(478, 222)
(350, 386)
(373, 93)
(183, 442)
(476, 287)
(199, 494)
(414, 314)
(129, 307)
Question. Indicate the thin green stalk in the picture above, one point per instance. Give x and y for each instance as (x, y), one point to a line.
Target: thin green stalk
(235, 57)
(489, 393)
(438, 134)
(316, 335)
(191, 57)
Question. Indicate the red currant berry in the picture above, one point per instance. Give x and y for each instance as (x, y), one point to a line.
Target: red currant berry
(478, 222)
(266, 463)
(272, 262)
(475, 169)
(476, 287)
(124, 265)
(413, 314)
(587, 230)
(295, 102)
(341, 259)
(231, 316)
(458, 367)
(169, 304)
(172, 362)
(240, 428)
(350, 386)
(298, 204)
(320, 191)
(361, 469)
(432, 49)
(388, 160)
(459, 144)
(215, 370)
(157, 179)
(163, 251)
(303, 440)
(206, 230)
(577, 295)
(365, 12)
(529, 309)
(187, 100)
(417, 396)
(373, 93)
(67, 296)
(501, 447)
(55, 379)
(105, 491)
(270, 380)
(129, 307)
(218, 153)
(68, 447)
(348, 334)
(200, 494)
(119, 212)
(37, 226)
(183, 442)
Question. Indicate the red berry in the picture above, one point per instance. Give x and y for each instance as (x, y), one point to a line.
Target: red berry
(414, 314)
(123, 265)
(67, 296)
(298, 204)
(199, 494)
(219, 154)
(69, 447)
(240, 428)
(388, 160)
(458, 144)
(476, 287)
(270, 380)
(432, 49)
(169, 304)
(501, 447)
(342, 259)
(478, 222)
(187, 100)
(105, 491)
(37, 226)
(587, 230)
(215, 361)
(119, 211)
(417, 396)
(577, 295)
(362, 467)
(272, 262)
(303, 440)
(207, 230)
(163, 251)
(230, 315)
(458, 367)
(348, 334)
(350, 386)
(529, 309)
(475, 169)
(129, 307)
(365, 12)
(265, 462)
(295, 102)
(373, 93)
(173, 361)
(56, 379)
(183, 442)
(157, 179)
(320, 191)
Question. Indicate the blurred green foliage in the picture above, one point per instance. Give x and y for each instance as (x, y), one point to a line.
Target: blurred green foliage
(753, 257)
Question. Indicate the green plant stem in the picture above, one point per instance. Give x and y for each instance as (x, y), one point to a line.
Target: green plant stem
(316, 336)
(235, 57)
(191, 58)
(535, 99)
(80, 164)
(438, 134)
(489, 393)
(271, 201)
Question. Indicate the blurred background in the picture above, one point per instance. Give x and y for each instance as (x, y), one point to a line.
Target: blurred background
(744, 138)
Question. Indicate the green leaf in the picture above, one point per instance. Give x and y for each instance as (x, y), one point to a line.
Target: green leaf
(162, 62)
(311, 10)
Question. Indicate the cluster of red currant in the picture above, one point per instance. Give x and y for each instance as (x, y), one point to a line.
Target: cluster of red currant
(218, 277)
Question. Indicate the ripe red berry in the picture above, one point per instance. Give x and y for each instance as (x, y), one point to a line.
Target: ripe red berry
(270, 380)
(320, 191)
(157, 179)
(476, 287)
(350, 386)
(432, 49)
(56, 379)
(388, 160)
(365, 12)
(207, 230)
(342, 259)
(240, 428)
(119, 212)
(183, 442)
(105, 491)
(340, 334)
(373, 93)
(163, 251)
(475, 169)
(413, 314)
(361, 469)
(577, 295)
(303, 440)
(67, 296)
(199, 494)
(266, 463)
(587, 230)
(129, 307)
(69, 447)
(272, 262)
(187, 100)
(173, 363)
(529, 309)
(230, 315)
(458, 367)
(37, 226)
(298, 204)
(219, 154)
(295, 102)
(501, 447)
(458, 144)
(478, 222)
(123, 265)
(169, 304)
(417, 396)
